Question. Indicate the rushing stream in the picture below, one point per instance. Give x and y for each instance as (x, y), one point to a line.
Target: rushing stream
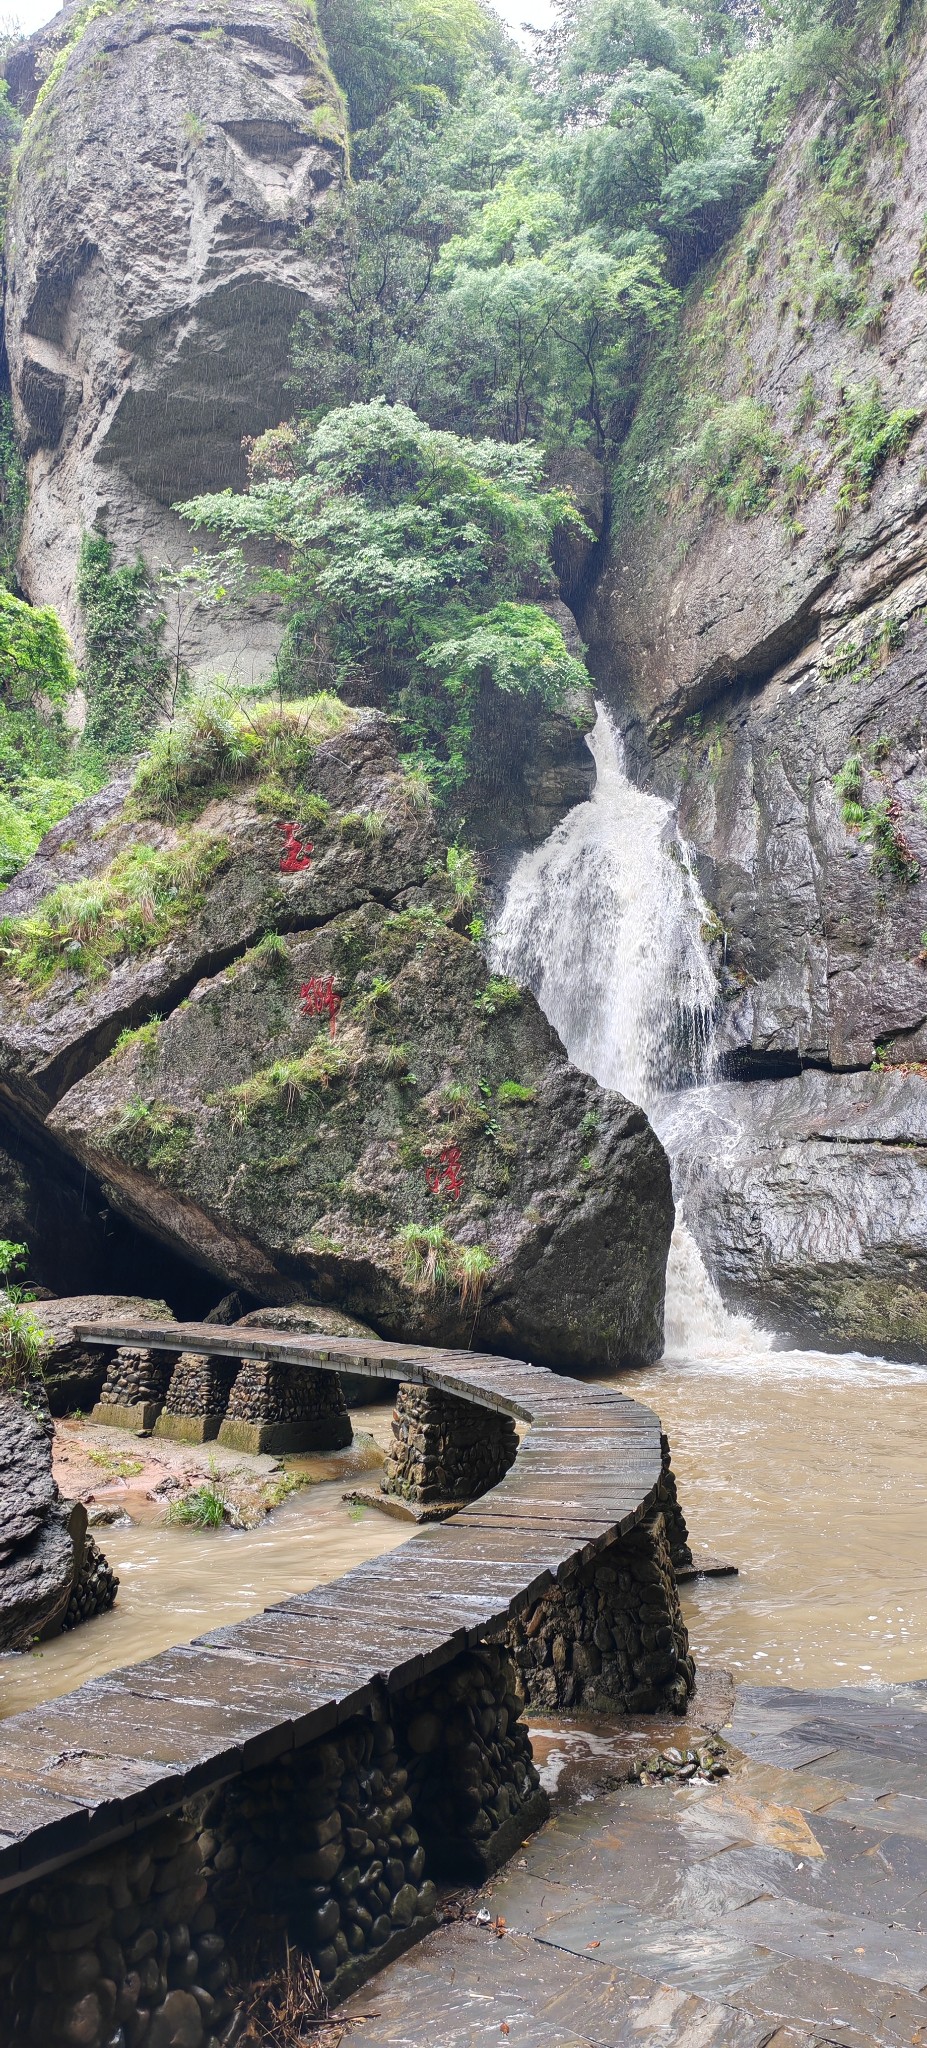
(177, 1582)
(807, 1470)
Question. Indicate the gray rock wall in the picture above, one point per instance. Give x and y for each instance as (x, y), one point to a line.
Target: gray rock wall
(52, 1576)
(748, 660)
(808, 1199)
(749, 657)
(154, 275)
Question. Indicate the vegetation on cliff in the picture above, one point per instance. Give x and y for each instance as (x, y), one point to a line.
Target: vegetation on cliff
(413, 563)
(520, 243)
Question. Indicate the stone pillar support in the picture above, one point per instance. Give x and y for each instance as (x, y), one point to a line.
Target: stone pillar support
(134, 1388)
(275, 1407)
(677, 1534)
(609, 1636)
(197, 1398)
(444, 1449)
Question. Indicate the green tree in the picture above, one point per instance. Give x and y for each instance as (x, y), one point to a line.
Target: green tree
(41, 778)
(404, 546)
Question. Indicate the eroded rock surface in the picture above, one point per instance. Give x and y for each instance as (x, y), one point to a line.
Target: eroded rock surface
(155, 273)
(749, 658)
(808, 1200)
(37, 1549)
(416, 1149)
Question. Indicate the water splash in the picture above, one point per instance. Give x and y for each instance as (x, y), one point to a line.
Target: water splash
(604, 922)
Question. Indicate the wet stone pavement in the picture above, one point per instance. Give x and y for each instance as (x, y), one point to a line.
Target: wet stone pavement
(785, 1904)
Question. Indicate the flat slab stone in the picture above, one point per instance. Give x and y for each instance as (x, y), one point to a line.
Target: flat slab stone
(704, 1566)
(403, 1510)
(778, 1908)
(189, 1429)
(142, 1415)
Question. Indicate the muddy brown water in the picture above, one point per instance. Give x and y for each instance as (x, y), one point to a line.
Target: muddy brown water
(177, 1582)
(810, 1473)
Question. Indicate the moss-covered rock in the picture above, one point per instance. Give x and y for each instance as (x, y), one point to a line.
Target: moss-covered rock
(311, 1082)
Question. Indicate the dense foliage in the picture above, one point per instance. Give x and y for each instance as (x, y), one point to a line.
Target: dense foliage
(519, 240)
(126, 675)
(39, 778)
(517, 237)
(415, 561)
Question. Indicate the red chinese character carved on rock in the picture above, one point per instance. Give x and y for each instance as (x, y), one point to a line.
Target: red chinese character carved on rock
(447, 1177)
(297, 853)
(319, 995)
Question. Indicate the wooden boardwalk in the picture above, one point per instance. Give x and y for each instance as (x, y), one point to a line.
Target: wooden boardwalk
(89, 1768)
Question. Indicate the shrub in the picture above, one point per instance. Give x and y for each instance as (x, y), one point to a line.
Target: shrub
(132, 907)
(204, 1507)
(432, 1261)
(218, 740)
(878, 824)
(426, 1251)
(277, 1089)
(498, 995)
(405, 549)
(865, 436)
(737, 458)
(513, 1092)
(22, 1339)
(126, 675)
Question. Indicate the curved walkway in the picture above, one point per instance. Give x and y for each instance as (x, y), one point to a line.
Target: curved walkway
(89, 1768)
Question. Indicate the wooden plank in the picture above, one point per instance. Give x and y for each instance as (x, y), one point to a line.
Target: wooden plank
(139, 1740)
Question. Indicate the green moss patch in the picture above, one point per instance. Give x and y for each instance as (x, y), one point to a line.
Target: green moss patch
(131, 908)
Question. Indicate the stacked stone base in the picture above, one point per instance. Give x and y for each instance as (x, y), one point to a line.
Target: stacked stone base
(250, 1404)
(322, 1851)
(134, 1389)
(475, 1790)
(285, 1408)
(444, 1450)
(677, 1532)
(197, 1398)
(610, 1636)
(333, 1849)
(94, 1589)
(120, 1948)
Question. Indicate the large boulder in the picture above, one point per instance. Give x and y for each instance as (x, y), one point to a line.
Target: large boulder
(333, 1098)
(808, 1199)
(170, 163)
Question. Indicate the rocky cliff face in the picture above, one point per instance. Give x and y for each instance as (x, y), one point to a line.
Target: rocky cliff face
(750, 657)
(808, 1200)
(759, 628)
(169, 164)
(332, 1097)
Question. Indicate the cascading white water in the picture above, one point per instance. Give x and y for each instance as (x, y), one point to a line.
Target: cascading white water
(604, 922)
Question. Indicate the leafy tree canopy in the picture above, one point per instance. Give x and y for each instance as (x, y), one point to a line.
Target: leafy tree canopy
(417, 563)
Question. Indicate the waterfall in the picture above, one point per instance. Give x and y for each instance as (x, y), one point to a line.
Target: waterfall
(604, 922)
